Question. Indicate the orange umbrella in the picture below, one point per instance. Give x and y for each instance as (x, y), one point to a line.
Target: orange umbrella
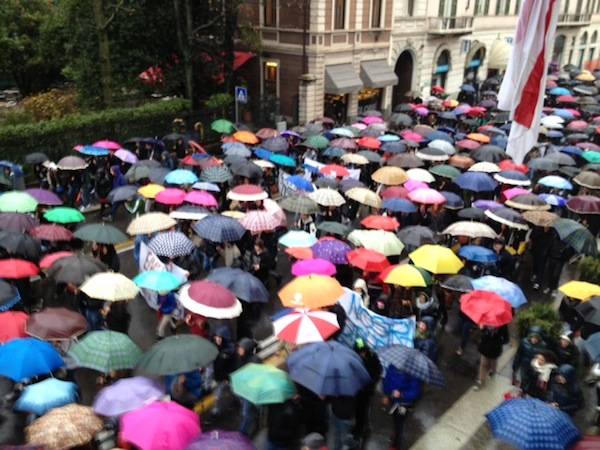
(245, 137)
(299, 252)
(377, 222)
(478, 137)
(311, 291)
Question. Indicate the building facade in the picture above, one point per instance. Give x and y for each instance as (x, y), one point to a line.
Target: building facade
(339, 58)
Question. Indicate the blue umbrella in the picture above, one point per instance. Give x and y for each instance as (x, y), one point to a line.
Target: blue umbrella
(263, 153)
(283, 160)
(9, 296)
(506, 289)
(206, 186)
(555, 134)
(556, 182)
(181, 176)
(295, 238)
(328, 369)
(476, 181)
(244, 285)
(90, 150)
(554, 200)
(467, 88)
(399, 205)
(275, 144)
(23, 359)
(411, 362)
(300, 182)
(159, 281)
(592, 346)
(389, 138)
(477, 253)
(513, 177)
(344, 132)
(218, 228)
(453, 201)
(571, 150)
(448, 115)
(436, 134)
(334, 152)
(530, 424)
(558, 91)
(564, 114)
(41, 397)
(394, 147)
(500, 141)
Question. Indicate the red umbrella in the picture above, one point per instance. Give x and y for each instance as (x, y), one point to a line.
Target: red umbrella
(476, 111)
(566, 99)
(367, 260)
(508, 164)
(584, 204)
(468, 144)
(12, 325)
(377, 222)
(588, 443)
(47, 261)
(369, 142)
(210, 299)
(14, 269)
(335, 170)
(394, 192)
(486, 308)
(247, 193)
(302, 326)
(51, 233)
(189, 160)
(299, 252)
(56, 324)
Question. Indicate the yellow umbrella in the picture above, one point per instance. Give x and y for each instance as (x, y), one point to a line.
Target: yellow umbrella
(407, 275)
(150, 190)
(436, 259)
(364, 196)
(354, 158)
(311, 291)
(580, 290)
(390, 176)
(585, 76)
(245, 137)
(109, 286)
(150, 223)
(234, 214)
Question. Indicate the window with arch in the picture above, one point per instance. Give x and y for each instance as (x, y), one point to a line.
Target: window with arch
(594, 37)
(583, 39)
(566, 7)
(579, 6)
(441, 69)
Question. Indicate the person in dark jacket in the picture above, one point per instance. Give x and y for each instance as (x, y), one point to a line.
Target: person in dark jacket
(314, 411)
(528, 348)
(424, 339)
(343, 411)
(540, 246)
(505, 264)
(402, 391)
(244, 354)
(365, 395)
(567, 352)
(558, 253)
(490, 349)
(565, 393)
(222, 366)
(282, 425)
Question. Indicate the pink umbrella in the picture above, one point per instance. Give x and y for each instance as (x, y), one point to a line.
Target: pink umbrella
(411, 136)
(160, 426)
(275, 210)
(394, 192)
(126, 156)
(574, 112)
(171, 196)
(370, 120)
(201, 198)
(316, 266)
(577, 125)
(468, 144)
(411, 185)
(359, 126)
(462, 109)
(426, 196)
(257, 221)
(47, 261)
(421, 111)
(476, 111)
(247, 193)
(108, 145)
(513, 192)
(588, 146)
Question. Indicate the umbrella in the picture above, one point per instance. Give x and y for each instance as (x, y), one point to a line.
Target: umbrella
(512, 177)
(478, 254)
(171, 244)
(406, 161)
(44, 196)
(584, 204)
(399, 205)
(531, 424)
(262, 384)
(330, 227)
(577, 236)
(245, 137)
(170, 196)
(471, 214)
(219, 228)
(311, 291)
(47, 261)
(14, 269)
(221, 440)
(217, 174)
(126, 156)
(432, 154)
(206, 186)
(458, 283)
(123, 194)
(150, 190)
(327, 197)
(222, 126)
(275, 143)
(177, 354)
(12, 325)
(17, 202)
(486, 308)
(246, 169)
(109, 286)
(394, 192)
(475, 181)
(506, 289)
(36, 158)
(53, 324)
(52, 233)
(378, 222)
(371, 156)
(313, 267)
(444, 170)
(540, 218)
(299, 205)
(418, 174)
(247, 193)
(556, 182)
(381, 241)
(332, 250)
(75, 269)
(416, 235)
(100, 233)
(159, 281)
(390, 176)
(406, 275)
(592, 346)
(22, 245)
(590, 311)
(26, 358)
(426, 196)
(436, 259)
(127, 394)
(17, 222)
(66, 427)
(296, 238)
(411, 362)
(159, 426)
(470, 229)
(301, 183)
(39, 398)
(508, 217)
(189, 212)
(328, 368)
(367, 260)
(150, 223)
(210, 299)
(244, 285)
(71, 163)
(257, 221)
(64, 215)
(181, 176)
(580, 290)
(588, 179)
(364, 196)
(105, 351)
(453, 201)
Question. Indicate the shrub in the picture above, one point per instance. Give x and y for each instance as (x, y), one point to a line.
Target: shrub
(50, 105)
(589, 268)
(541, 315)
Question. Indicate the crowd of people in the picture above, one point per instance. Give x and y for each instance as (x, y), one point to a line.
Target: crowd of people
(420, 221)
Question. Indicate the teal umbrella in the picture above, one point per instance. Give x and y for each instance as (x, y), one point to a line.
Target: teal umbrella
(577, 236)
(262, 384)
(17, 202)
(591, 156)
(446, 171)
(63, 214)
(106, 351)
(282, 160)
(318, 141)
(222, 126)
(101, 233)
(159, 281)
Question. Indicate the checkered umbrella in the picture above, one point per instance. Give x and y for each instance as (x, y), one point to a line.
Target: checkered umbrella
(217, 174)
(171, 244)
(106, 351)
(219, 229)
(412, 362)
(258, 221)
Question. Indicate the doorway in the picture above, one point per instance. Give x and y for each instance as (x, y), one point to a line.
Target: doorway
(404, 72)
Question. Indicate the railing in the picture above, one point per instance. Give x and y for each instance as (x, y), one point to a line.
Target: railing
(449, 25)
(574, 19)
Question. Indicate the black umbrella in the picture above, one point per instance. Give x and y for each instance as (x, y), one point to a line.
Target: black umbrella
(576, 137)
(489, 153)
(247, 169)
(9, 296)
(508, 217)
(36, 158)
(590, 311)
(275, 144)
(75, 269)
(17, 222)
(570, 171)
(458, 283)
(543, 164)
(472, 214)
(122, 193)
(405, 161)
(401, 120)
(403, 108)
(158, 174)
(233, 160)
(371, 156)
(244, 285)
(326, 182)
(414, 236)
(350, 183)
(17, 244)
(137, 172)
(561, 159)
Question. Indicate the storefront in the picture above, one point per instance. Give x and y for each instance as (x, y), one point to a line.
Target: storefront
(336, 107)
(369, 99)
(341, 80)
(376, 75)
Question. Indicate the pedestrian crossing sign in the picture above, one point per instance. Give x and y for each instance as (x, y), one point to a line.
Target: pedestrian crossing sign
(241, 94)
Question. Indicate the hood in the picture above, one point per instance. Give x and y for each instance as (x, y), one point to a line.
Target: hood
(567, 371)
(224, 332)
(248, 345)
(535, 331)
(428, 304)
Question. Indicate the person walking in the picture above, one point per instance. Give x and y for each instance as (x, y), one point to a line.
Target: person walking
(490, 349)
(401, 391)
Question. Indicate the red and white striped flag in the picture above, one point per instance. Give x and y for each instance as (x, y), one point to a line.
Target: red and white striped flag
(522, 90)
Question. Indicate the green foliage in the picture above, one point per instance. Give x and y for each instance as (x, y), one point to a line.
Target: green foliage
(219, 101)
(541, 315)
(589, 268)
(53, 104)
(57, 137)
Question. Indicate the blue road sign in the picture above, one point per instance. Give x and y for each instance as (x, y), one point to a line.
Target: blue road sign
(241, 94)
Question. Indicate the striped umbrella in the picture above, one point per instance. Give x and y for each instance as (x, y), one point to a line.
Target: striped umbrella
(301, 326)
(171, 244)
(106, 351)
(218, 228)
(217, 174)
(327, 197)
(258, 221)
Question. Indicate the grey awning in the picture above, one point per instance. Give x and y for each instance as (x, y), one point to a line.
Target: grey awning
(341, 79)
(377, 74)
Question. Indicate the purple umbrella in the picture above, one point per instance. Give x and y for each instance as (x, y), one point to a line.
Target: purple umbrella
(126, 395)
(487, 204)
(313, 266)
(17, 222)
(221, 440)
(44, 196)
(290, 133)
(332, 250)
(126, 156)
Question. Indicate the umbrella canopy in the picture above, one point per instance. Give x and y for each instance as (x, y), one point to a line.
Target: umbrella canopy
(44, 196)
(127, 394)
(26, 358)
(257, 221)
(590, 311)
(39, 398)
(426, 196)
(244, 285)
(299, 205)
(399, 205)
(478, 254)
(201, 198)
(378, 222)
(470, 229)
(584, 204)
(313, 267)
(15, 269)
(332, 250)
(327, 197)
(159, 281)
(52, 233)
(476, 182)
(580, 290)
(506, 289)
(528, 202)
(367, 260)
(210, 299)
(577, 236)
(53, 324)
(126, 156)
(171, 244)
(540, 218)
(170, 196)
(588, 179)
(381, 241)
(109, 286)
(16, 244)
(106, 351)
(390, 176)
(531, 424)
(150, 223)
(66, 427)
(64, 215)
(364, 196)
(36, 158)
(486, 308)
(556, 182)
(160, 426)
(222, 126)
(458, 283)
(123, 194)
(297, 238)
(592, 346)
(75, 269)
(311, 291)
(331, 227)
(17, 222)
(508, 217)
(247, 193)
(219, 228)
(100, 233)
(12, 325)
(262, 384)
(411, 362)
(416, 235)
(217, 174)
(406, 275)
(17, 202)
(221, 440)
(177, 354)
(436, 259)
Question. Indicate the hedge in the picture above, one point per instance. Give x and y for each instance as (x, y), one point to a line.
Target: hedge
(57, 137)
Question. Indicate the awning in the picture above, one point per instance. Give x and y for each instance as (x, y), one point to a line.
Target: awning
(377, 74)
(442, 69)
(499, 54)
(474, 63)
(341, 79)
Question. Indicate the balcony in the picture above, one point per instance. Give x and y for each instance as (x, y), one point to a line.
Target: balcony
(449, 25)
(574, 20)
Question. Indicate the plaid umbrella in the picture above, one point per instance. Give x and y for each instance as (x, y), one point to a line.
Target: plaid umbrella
(218, 228)
(217, 174)
(106, 351)
(412, 362)
(171, 244)
(257, 221)
(299, 205)
(332, 250)
(577, 236)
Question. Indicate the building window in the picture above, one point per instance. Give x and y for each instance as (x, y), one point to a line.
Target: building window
(506, 7)
(270, 13)
(566, 10)
(339, 15)
(517, 7)
(583, 39)
(591, 55)
(336, 107)
(486, 8)
(570, 57)
(447, 8)
(441, 69)
(369, 99)
(376, 6)
(579, 6)
(478, 7)
(410, 7)
(594, 38)
(581, 57)
(270, 78)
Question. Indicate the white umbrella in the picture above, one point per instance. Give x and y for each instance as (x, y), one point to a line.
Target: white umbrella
(470, 229)
(327, 197)
(484, 166)
(381, 241)
(419, 174)
(109, 286)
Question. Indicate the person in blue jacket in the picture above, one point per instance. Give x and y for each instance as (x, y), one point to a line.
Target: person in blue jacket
(401, 392)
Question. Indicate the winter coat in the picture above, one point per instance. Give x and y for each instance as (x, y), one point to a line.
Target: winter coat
(409, 387)
(568, 355)
(568, 396)
(527, 350)
(282, 423)
(492, 340)
(223, 364)
(343, 407)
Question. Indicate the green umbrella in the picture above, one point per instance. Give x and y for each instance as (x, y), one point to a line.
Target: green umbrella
(222, 126)
(591, 156)
(101, 233)
(106, 351)
(63, 214)
(17, 201)
(262, 384)
(444, 170)
(318, 141)
(299, 205)
(334, 228)
(577, 236)
(177, 354)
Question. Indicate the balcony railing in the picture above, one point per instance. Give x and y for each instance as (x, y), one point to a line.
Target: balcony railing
(574, 20)
(450, 25)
